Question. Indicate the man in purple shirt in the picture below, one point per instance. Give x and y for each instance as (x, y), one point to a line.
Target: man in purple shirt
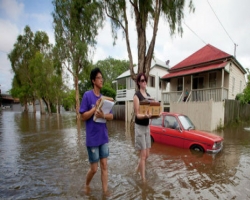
(96, 132)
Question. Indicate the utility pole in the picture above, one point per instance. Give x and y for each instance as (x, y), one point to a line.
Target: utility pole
(235, 45)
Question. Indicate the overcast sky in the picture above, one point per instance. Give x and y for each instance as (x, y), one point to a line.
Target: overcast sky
(221, 23)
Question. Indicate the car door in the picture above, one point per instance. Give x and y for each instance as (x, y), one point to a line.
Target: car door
(172, 134)
(156, 129)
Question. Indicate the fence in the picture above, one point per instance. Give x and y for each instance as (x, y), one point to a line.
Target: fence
(234, 110)
(119, 112)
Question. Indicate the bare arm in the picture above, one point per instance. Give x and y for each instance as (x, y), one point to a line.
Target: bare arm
(86, 115)
(98, 113)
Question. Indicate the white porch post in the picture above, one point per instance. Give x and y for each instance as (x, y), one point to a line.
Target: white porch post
(183, 83)
(157, 86)
(191, 87)
(222, 84)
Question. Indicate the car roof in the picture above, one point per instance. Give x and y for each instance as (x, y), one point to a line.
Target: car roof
(171, 113)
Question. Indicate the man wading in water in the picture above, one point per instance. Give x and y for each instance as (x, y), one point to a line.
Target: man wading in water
(96, 133)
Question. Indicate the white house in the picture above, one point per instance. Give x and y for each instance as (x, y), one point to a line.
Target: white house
(208, 76)
(125, 85)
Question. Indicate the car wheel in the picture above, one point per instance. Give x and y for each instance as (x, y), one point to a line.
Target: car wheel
(197, 148)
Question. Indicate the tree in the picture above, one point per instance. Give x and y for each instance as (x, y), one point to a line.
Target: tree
(245, 96)
(20, 57)
(76, 24)
(34, 66)
(146, 13)
(112, 68)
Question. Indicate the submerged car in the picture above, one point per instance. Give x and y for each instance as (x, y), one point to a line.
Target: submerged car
(178, 130)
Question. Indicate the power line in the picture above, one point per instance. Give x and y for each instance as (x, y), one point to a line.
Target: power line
(194, 33)
(3, 51)
(223, 28)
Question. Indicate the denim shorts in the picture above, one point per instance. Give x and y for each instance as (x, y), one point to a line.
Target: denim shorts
(97, 153)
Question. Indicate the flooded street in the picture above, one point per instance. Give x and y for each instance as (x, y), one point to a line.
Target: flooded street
(44, 157)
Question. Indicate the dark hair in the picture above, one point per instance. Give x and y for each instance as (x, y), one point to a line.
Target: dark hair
(139, 78)
(93, 74)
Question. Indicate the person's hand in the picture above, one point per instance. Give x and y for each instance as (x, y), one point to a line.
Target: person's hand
(99, 113)
(149, 114)
(97, 102)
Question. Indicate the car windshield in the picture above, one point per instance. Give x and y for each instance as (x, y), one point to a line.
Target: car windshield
(186, 122)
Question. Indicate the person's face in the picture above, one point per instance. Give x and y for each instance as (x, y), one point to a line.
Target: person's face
(98, 82)
(142, 82)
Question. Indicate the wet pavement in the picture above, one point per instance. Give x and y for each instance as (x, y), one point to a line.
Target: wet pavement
(44, 157)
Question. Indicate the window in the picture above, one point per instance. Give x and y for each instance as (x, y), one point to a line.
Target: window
(212, 79)
(157, 121)
(151, 81)
(198, 82)
(179, 84)
(171, 122)
(130, 83)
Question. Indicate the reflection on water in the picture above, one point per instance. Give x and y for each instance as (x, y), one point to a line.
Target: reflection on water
(45, 157)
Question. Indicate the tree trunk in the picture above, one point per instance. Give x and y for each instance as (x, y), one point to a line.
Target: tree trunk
(42, 110)
(77, 99)
(26, 109)
(49, 108)
(47, 104)
(57, 106)
(34, 105)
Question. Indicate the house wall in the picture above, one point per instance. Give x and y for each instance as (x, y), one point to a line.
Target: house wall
(237, 81)
(155, 91)
(211, 120)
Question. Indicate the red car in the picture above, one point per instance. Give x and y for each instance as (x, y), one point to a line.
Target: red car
(178, 130)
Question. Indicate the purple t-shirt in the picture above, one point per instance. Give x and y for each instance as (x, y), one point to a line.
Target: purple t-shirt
(96, 133)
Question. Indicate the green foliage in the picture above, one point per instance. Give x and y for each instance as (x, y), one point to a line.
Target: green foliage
(107, 91)
(76, 24)
(69, 100)
(238, 96)
(112, 68)
(35, 76)
(146, 15)
(244, 97)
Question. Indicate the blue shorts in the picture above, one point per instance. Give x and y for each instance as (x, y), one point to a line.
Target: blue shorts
(97, 153)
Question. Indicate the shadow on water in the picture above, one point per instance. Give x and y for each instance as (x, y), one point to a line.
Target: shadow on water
(45, 157)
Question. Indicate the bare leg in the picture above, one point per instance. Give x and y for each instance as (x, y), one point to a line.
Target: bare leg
(89, 176)
(104, 175)
(142, 163)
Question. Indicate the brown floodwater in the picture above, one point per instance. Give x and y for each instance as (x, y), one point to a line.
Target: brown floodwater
(44, 157)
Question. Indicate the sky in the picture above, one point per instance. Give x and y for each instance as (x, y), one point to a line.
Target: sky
(223, 24)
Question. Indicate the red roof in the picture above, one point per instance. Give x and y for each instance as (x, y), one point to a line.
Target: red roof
(206, 54)
(195, 70)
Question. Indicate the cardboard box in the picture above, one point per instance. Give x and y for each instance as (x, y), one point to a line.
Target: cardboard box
(155, 110)
(143, 108)
(153, 107)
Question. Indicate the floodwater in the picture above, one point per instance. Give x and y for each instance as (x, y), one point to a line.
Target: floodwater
(44, 157)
